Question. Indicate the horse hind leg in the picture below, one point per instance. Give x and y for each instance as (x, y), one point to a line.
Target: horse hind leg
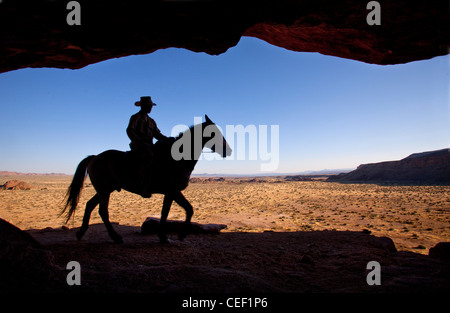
(103, 211)
(90, 206)
(186, 205)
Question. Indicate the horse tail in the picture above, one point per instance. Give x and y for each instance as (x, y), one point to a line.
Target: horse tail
(73, 192)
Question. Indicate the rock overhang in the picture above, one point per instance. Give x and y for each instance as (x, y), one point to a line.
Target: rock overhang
(37, 34)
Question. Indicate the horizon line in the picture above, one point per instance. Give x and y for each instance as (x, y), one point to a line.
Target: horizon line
(308, 172)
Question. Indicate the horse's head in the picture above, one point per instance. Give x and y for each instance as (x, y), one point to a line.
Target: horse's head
(213, 138)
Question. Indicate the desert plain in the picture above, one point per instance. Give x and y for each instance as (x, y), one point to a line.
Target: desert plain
(415, 217)
(278, 232)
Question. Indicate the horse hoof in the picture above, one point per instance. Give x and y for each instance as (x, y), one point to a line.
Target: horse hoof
(79, 235)
(118, 240)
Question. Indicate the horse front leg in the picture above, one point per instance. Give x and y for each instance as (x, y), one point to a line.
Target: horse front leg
(184, 203)
(167, 203)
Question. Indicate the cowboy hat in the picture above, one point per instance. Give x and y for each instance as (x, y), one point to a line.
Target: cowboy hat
(144, 100)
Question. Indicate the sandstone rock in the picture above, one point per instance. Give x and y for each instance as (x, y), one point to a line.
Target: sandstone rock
(15, 185)
(441, 251)
(37, 34)
(243, 262)
(427, 167)
(24, 263)
(151, 226)
(384, 243)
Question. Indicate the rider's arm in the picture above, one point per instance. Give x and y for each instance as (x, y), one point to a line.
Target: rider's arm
(158, 135)
(156, 132)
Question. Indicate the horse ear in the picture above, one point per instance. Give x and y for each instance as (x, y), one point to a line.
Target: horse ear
(208, 121)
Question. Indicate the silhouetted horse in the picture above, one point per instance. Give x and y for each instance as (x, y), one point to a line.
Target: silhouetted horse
(169, 174)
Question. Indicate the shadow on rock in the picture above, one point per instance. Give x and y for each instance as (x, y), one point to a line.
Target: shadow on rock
(281, 262)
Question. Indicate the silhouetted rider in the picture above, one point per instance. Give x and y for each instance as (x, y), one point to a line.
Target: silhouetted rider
(141, 130)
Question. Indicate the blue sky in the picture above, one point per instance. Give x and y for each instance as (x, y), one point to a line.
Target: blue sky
(331, 112)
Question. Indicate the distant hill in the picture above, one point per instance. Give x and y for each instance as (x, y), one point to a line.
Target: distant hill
(8, 173)
(325, 172)
(425, 167)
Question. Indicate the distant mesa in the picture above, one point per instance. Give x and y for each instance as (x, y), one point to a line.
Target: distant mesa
(298, 178)
(15, 185)
(8, 173)
(430, 167)
(206, 180)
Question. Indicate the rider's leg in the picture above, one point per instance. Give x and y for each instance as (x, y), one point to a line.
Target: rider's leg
(145, 173)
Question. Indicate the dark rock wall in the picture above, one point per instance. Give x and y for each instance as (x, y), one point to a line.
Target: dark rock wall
(36, 34)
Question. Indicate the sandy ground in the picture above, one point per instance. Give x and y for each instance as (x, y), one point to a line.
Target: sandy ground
(281, 237)
(415, 217)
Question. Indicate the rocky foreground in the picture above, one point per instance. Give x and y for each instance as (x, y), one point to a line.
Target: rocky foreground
(230, 262)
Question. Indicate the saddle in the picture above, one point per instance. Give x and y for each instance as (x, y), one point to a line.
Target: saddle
(161, 150)
(144, 167)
